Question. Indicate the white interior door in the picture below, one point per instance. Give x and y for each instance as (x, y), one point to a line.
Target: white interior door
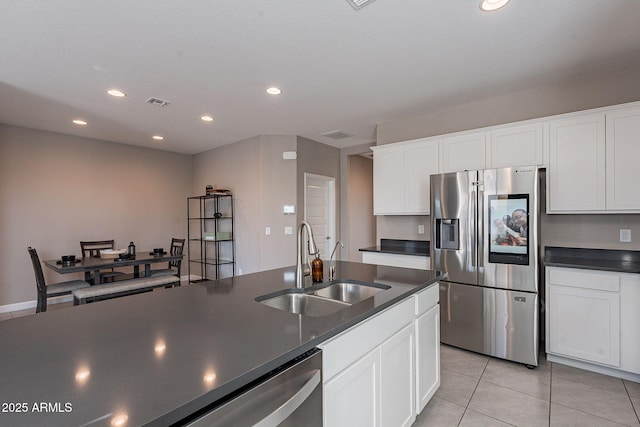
(320, 210)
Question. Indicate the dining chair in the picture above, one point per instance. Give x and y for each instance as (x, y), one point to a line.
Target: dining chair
(177, 247)
(54, 289)
(91, 249)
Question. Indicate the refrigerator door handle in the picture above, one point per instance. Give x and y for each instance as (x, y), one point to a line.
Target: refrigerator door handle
(474, 243)
(480, 235)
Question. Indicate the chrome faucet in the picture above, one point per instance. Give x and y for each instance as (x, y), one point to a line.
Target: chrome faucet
(312, 249)
(332, 268)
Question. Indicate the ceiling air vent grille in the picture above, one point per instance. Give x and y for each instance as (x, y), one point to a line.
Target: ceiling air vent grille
(337, 134)
(157, 102)
(357, 4)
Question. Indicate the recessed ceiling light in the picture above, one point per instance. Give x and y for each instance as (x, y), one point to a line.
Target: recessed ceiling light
(206, 118)
(117, 93)
(158, 137)
(491, 5)
(80, 122)
(274, 91)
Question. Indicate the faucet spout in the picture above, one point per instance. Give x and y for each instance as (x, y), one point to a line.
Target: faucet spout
(312, 249)
(332, 267)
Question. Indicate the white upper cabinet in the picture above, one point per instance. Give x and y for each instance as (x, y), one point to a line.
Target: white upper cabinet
(517, 146)
(388, 180)
(463, 152)
(576, 174)
(623, 154)
(401, 177)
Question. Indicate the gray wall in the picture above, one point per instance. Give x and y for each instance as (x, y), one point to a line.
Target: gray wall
(590, 231)
(262, 182)
(359, 219)
(59, 189)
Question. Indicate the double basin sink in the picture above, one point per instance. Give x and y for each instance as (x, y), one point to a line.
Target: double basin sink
(323, 299)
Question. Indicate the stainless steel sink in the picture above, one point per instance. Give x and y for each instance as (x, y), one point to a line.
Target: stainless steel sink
(321, 300)
(306, 304)
(350, 292)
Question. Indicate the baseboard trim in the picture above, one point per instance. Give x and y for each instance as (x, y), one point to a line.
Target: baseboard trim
(594, 368)
(7, 308)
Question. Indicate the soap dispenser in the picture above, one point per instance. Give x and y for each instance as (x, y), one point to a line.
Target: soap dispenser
(316, 269)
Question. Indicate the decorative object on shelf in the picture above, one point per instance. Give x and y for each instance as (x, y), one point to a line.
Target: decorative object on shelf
(211, 243)
(212, 190)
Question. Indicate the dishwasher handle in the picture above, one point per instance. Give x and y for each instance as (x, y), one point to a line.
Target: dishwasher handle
(287, 408)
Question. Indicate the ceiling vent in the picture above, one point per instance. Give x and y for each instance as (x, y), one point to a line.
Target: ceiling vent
(337, 134)
(357, 4)
(157, 102)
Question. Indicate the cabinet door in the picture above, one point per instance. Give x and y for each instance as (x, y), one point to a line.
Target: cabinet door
(576, 174)
(388, 181)
(398, 379)
(584, 324)
(517, 146)
(427, 356)
(352, 398)
(466, 152)
(623, 152)
(421, 161)
(630, 322)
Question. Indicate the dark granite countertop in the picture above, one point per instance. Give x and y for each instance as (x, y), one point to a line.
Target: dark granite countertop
(157, 357)
(401, 247)
(594, 259)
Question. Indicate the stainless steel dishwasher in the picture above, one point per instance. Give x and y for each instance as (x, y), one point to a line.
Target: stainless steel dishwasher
(288, 396)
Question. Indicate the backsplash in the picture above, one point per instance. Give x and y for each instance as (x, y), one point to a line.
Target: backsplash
(571, 230)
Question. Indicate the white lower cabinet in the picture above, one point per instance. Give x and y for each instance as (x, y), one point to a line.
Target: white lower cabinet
(592, 318)
(398, 379)
(397, 260)
(427, 356)
(371, 371)
(351, 397)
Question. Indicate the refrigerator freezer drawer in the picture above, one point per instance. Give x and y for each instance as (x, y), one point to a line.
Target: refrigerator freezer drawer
(491, 321)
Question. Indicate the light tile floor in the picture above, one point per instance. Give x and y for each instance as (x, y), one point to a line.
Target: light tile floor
(478, 390)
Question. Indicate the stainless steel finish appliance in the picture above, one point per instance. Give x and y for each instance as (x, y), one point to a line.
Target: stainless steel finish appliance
(290, 397)
(484, 227)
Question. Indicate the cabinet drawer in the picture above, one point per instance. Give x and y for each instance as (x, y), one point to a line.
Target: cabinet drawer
(584, 279)
(427, 299)
(346, 348)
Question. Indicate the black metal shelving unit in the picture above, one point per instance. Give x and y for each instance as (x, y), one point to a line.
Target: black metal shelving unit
(211, 244)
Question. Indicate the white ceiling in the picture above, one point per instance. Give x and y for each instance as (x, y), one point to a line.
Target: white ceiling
(339, 69)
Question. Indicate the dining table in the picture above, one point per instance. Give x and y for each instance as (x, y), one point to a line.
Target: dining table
(91, 266)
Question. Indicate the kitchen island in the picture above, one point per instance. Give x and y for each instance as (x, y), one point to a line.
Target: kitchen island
(156, 358)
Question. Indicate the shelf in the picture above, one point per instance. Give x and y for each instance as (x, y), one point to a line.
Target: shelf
(212, 261)
(211, 258)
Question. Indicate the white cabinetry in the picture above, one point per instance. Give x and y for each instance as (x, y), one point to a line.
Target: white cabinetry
(397, 260)
(427, 326)
(592, 318)
(517, 146)
(401, 177)
(354, 394)
(397, 379)
(372, 372)
(463, 152)
(576, 175)
(623, 153)
(593, 163)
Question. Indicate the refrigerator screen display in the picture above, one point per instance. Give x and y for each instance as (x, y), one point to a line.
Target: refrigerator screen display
(508, 228)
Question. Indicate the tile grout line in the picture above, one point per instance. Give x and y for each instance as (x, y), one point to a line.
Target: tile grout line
(474, 392)
(636, 411)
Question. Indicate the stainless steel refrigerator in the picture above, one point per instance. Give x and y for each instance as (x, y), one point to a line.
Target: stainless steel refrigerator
(484, 231)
